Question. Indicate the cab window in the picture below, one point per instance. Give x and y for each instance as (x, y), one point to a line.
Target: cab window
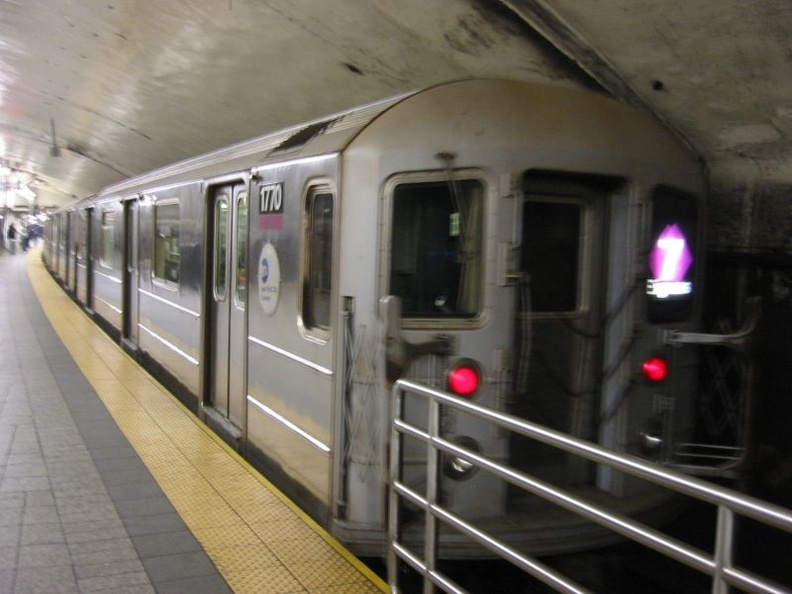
(436, 248)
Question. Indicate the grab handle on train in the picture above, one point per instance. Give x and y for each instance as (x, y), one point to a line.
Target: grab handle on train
(399, 352)
(739, 340)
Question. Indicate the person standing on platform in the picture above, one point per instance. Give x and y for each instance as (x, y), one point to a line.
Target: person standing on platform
(12, 235)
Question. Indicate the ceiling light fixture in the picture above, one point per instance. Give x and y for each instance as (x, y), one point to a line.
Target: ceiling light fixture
(25, 192)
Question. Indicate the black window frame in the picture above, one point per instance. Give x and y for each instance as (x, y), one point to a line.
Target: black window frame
(170, 263)
(464, 228)
(318, 267)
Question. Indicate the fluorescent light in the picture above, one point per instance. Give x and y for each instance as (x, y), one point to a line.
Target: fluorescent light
(25, 191)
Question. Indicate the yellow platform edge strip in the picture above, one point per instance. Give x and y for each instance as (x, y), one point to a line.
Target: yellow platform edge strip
(51, 297)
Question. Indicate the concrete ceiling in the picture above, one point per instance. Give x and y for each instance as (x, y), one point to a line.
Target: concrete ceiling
(119, 87)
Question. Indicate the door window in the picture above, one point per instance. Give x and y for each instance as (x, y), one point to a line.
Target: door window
(241, 250)
(550, 254)
(220, 248)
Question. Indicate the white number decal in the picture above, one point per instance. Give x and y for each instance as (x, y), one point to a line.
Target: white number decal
(271, 198)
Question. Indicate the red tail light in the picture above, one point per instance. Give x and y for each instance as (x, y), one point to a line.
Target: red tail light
(464, 380)
(655, 369)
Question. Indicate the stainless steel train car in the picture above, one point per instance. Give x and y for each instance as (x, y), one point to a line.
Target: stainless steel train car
(519, 244)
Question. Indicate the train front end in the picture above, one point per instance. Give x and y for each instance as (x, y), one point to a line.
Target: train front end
(533, 245)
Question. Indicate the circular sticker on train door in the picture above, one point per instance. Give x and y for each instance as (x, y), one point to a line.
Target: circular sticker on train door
(269, 279)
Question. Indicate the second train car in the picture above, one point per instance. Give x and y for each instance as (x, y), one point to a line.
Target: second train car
(523, 245)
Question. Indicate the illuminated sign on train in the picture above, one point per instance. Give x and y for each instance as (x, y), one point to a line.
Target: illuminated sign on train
(669, 262)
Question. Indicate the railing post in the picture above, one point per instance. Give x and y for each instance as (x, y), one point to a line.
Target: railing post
(432, 480)
(397, 397)
(724, 537)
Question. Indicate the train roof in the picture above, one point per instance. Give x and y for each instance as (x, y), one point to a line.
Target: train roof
(336, 132)
(301, 140)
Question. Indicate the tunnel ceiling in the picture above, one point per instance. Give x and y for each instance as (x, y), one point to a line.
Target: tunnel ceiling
(92, 91)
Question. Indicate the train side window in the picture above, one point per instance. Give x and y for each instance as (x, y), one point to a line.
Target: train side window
(108, 257)
(550, 254)
(220, 247)
(241, 249)
(435, 250)
(670, 285)
(166, 241)
(319, 266)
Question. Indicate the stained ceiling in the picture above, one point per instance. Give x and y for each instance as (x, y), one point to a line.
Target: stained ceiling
(93, 91)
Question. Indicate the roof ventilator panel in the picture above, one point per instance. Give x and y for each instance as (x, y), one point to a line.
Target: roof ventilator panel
(303, 136)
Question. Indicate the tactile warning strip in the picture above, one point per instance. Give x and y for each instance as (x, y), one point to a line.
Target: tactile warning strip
(257, 538)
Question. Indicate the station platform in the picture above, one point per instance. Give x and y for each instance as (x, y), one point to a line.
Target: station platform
(108, 484)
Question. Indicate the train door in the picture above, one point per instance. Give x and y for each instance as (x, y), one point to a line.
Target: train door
(227, 298)
(81, 268)
(78, 227)
(64, 248)
(558, 350)
(89, 218)
(129, 271)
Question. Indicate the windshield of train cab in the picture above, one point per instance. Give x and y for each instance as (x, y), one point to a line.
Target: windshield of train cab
(672, 259)
(435, 247)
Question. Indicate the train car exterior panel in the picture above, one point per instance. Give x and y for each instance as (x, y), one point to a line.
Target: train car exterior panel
(171, 336)
(107, 298)
(62, 258)
(72, 251)
(169, 280)
(300, 446)
(83, 256)
(171, 244)
(274, 390)
(108, 227)
(292, 336)
(584, 142)
(486, 237)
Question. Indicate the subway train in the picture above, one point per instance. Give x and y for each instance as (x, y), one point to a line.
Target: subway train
(519, 244)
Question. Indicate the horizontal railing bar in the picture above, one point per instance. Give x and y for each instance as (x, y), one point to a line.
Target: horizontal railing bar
(750, 583)
(749, 506)
(411, 430)
(529, 565)
(435, 577)
(618, 523)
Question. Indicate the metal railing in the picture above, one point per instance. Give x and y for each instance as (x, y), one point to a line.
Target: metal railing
(729, 503)
(726, 408)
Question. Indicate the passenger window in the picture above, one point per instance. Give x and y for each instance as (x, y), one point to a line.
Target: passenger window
(166, 242)
(672, 256)
(241, 249)
(319, 266)
(435, 248)
(109, 256)
(550, 254)
(220, 248)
